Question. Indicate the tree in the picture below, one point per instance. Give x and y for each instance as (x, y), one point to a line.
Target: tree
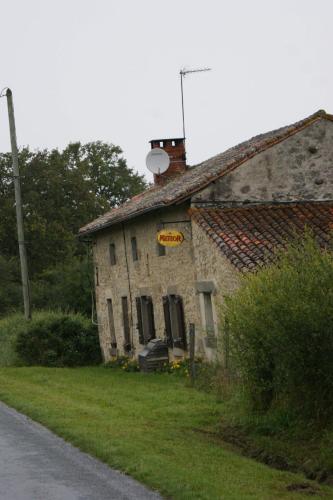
(62, 190)
(10, 285)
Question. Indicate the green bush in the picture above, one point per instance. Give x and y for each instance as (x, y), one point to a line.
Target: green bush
(58, 339)
(280, 324)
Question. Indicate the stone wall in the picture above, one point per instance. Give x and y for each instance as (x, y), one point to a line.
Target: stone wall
(215, 273)
(151, 275)
(298, 168)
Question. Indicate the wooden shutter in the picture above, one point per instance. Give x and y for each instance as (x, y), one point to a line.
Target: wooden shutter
(148, 323)
(111, 324)
(151, 320)
(181, 320)
(167, 321)
(127, 332)
(139, 325)
(177, 321)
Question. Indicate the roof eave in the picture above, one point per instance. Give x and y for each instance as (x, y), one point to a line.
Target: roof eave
(120, 220)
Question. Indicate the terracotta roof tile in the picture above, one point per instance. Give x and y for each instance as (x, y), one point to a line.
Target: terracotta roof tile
(196, 178)
(249, 236)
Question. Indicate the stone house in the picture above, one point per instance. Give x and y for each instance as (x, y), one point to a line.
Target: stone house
(233, 210)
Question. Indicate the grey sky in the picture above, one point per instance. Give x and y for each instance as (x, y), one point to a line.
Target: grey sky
(109, 70)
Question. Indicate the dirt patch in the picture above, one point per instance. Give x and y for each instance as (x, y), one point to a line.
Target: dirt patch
(305, 488)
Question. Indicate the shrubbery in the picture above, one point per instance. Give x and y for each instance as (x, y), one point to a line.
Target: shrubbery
(280, 324)
(58, 339)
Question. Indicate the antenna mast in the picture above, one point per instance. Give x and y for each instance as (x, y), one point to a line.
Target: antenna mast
(183, 72)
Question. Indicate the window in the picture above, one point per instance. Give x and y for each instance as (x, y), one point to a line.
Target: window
(112, 249)
(208, 311)
(160, 250)
(146, 322)
(126, 325)
(96, 276)
(175, 331)
(134, 249)
(111, 324)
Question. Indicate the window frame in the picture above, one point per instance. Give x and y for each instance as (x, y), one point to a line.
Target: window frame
(208, 314)
(112, 254)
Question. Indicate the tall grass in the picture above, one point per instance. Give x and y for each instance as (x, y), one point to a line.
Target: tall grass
(10, 327)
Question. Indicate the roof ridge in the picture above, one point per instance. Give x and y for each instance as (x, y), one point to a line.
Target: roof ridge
(260, 205)
(199, 176)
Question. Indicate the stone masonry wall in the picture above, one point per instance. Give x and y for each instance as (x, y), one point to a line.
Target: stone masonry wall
(151, 275)
(214, 269)
(298, 168)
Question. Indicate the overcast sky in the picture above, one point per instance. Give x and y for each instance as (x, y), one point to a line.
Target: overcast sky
(84, 70)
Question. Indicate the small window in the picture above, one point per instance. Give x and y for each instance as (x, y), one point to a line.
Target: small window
(96, 276)
(160, 250)
(173, 143)
(175, 330)
(208, 311)
(146, 321)
(161, 144)
(126, 325)
(134, 248)
(112, 249)
(111, 324)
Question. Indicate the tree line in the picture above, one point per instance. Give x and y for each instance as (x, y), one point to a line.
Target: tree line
(61, 191)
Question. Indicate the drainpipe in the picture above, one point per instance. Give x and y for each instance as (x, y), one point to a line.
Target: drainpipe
(129, 285)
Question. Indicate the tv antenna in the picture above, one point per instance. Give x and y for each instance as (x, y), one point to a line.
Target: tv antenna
(183, 72)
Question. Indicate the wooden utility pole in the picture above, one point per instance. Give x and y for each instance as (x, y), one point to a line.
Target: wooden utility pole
(19, 211)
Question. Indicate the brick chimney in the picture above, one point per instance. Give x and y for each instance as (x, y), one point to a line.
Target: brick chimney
(176, 151)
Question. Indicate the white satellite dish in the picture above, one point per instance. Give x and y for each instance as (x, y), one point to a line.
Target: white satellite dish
(157, 161)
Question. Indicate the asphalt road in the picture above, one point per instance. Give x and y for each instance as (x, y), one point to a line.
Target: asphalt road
(37, 465)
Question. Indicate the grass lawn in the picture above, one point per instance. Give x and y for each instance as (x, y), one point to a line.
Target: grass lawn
(148, 426)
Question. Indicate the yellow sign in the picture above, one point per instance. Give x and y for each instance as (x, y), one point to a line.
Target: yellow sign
(170, 238)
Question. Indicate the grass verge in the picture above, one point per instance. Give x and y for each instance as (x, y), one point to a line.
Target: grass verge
(151, 427)
(279, 438)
